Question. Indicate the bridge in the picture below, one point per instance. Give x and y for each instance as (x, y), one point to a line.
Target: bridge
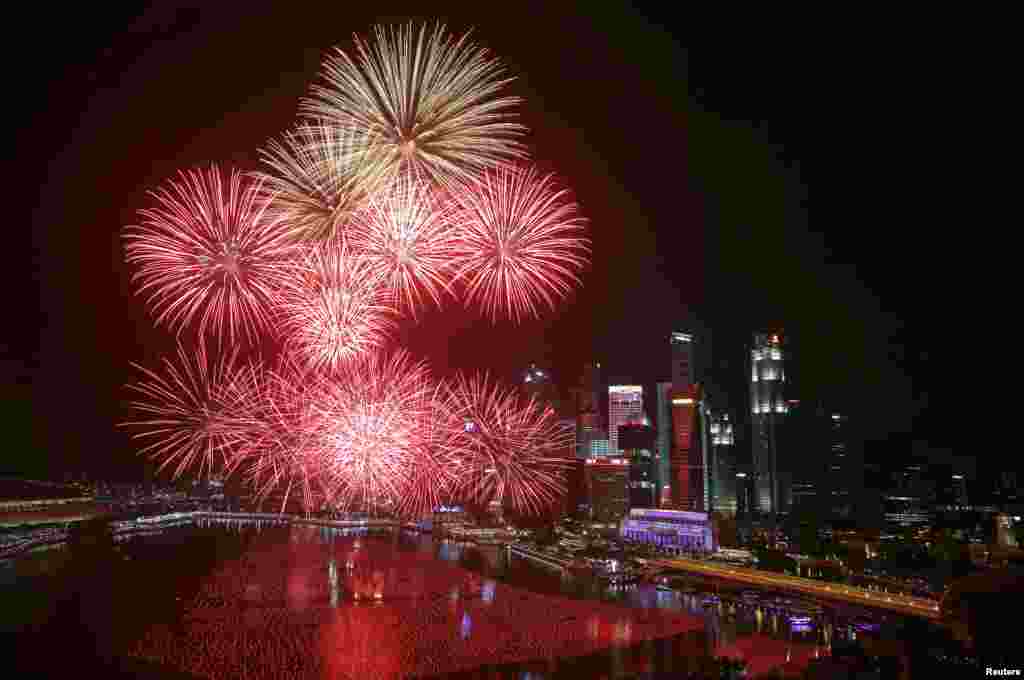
(297, 519)
(543, 558)
(915, 606)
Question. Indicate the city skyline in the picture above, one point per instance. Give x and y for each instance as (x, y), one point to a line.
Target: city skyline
(643, 284)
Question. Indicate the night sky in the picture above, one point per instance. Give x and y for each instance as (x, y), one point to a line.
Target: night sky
(693, 166)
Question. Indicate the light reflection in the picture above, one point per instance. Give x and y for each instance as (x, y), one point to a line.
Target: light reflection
(332, 580)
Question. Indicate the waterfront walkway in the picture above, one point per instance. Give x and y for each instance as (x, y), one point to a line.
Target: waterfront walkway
(903, 604)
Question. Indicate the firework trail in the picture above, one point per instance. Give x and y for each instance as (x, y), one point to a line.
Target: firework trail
(333, 307)
(429, 101)
(194, 410)
(208, 251)
(522, 243)
(511, 449)
(407, 235)
(319, 176)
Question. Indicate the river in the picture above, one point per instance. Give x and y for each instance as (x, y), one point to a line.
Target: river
(227, 600)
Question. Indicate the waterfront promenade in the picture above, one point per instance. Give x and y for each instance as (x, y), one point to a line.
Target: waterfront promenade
(903, 604)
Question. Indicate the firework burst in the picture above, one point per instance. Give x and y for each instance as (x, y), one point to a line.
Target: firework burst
(430, 101)
(319, 175)
(208, 251)
(279, 407)
(522, 243)
(194, 411)
(333, 307)
(510, 449)
(406, 234)
(372, 432)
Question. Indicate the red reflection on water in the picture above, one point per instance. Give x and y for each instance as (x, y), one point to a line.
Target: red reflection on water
(362, 642)
(763, 653)
(271, 614)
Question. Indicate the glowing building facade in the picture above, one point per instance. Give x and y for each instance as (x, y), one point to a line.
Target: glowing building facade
(686, 463)
(625, 404)
(684, 531)
(663, 450)
(723, 463)
(607, 488)
(768, 409)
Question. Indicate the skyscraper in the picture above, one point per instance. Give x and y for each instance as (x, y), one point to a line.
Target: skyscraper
(722, 463)
(607, 488)
(637, 441)
(682, 361)
(663, 450)
(686, 464)
(768, 407)
(539, 384)
(625, 404)
(588, 410)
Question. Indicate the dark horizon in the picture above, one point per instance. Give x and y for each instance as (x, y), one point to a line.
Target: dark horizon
(690, 164)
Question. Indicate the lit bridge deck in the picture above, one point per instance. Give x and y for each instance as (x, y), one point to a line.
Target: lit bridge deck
(903, 604)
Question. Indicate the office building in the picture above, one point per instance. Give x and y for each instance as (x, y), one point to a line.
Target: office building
(588, 410)
(683, 366)
(607, 488)
(625, 404)
(768, 408)
(588, 431)
(600, 448)
(722, 461)
(663, 451)
(686, 464)
(637, 441)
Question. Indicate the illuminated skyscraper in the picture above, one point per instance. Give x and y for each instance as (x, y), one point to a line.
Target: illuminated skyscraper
(663, 450)
(607, 488)
(625, 404)
(588, 410)
(722, 463)
(682, 361)
(685, 464)
(768, 407)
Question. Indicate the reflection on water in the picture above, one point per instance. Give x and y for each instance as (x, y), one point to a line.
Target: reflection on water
(764, 629)
(315, 602)
(325, 604)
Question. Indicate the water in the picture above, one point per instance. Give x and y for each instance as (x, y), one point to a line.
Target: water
(311, 602)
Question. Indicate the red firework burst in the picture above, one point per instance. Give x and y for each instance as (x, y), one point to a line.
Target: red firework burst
(407, 235)
(333, 307)
(522, 243)
(280, 409)
(207, 251)
(194, 411)
(372, 430)
(510, 449)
